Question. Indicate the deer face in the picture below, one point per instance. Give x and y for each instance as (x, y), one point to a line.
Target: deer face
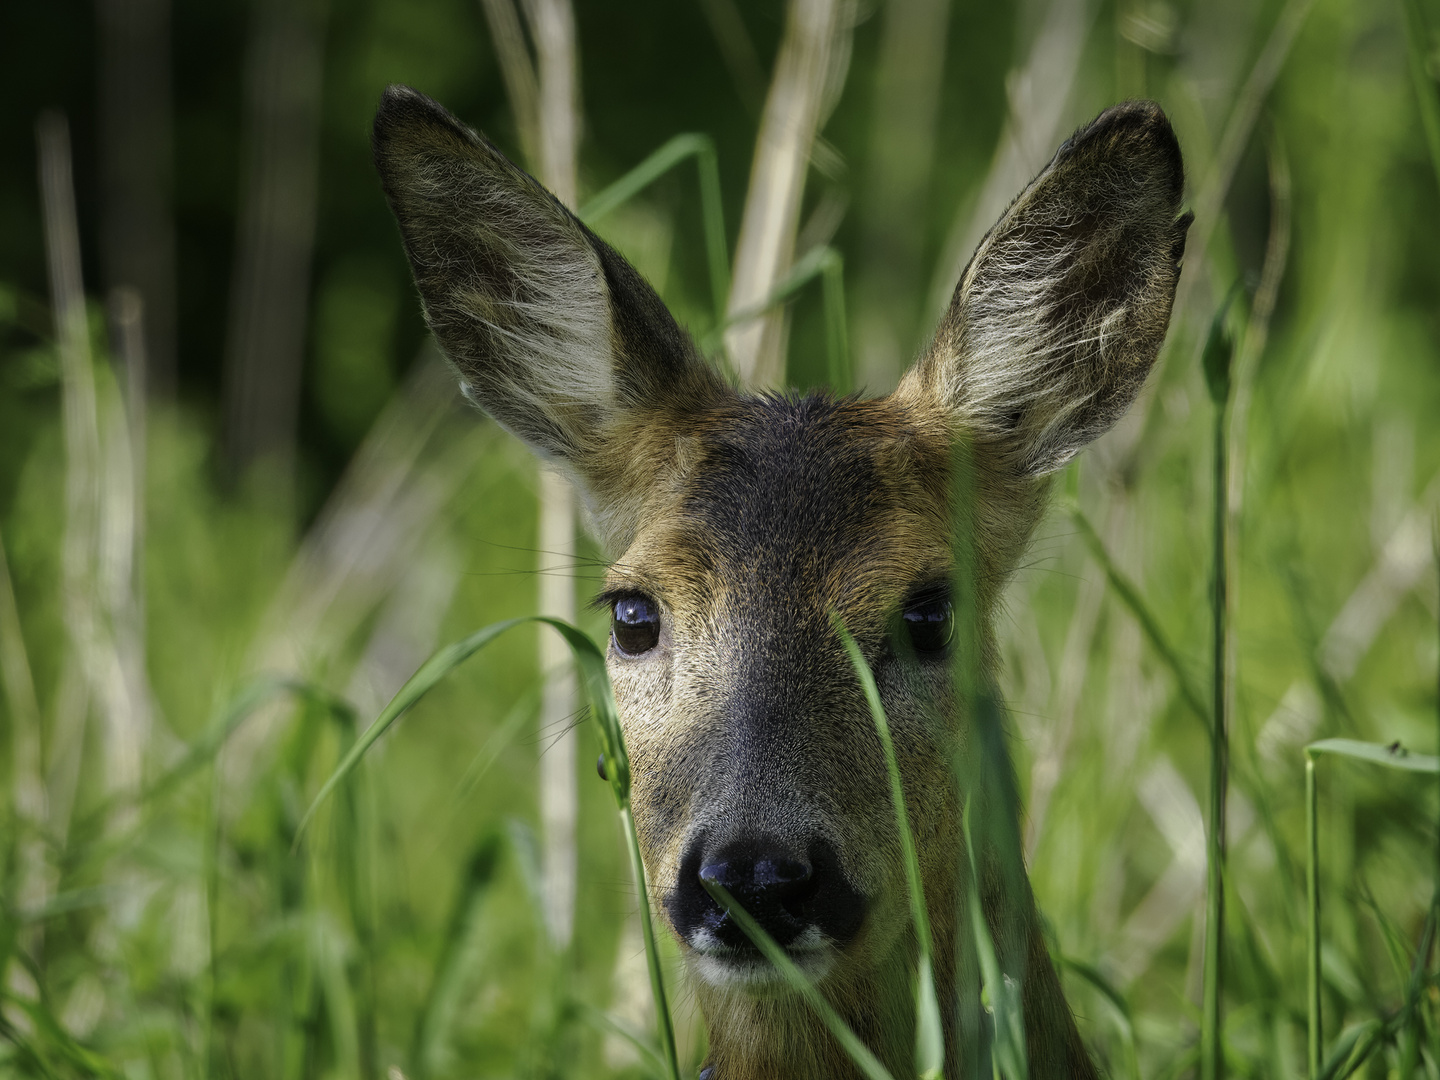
(741, 526)
(755, 759)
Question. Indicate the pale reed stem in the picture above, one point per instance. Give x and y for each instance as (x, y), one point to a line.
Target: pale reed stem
(768, 228)
(552, 27)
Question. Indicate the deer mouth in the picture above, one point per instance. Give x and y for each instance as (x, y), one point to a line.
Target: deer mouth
(746, 968)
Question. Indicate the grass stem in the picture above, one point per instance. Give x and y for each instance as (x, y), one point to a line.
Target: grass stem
(681, 147)
(929, 1035)
(1130, 596)
(1217, 362)
(1312, 932)
(859, 1053)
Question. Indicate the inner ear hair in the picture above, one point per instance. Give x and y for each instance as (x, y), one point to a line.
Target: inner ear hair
(1063, 308)
(552, 332)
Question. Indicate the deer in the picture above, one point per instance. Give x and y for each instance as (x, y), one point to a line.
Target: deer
(742, 527)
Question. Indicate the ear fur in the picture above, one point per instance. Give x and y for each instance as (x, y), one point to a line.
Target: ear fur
(553, 333)
(1061, 311)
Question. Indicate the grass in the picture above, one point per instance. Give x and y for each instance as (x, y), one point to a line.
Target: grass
(220, 920)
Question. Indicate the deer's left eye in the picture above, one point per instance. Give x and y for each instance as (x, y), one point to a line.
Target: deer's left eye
(929, 623)
(635, 627)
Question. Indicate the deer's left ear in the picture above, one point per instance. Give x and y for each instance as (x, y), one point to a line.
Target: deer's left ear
(1064, 305)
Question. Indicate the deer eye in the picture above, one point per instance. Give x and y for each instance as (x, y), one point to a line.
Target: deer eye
(929, 622)
(635, 625)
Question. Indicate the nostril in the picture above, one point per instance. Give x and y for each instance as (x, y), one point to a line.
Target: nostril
(780, 873)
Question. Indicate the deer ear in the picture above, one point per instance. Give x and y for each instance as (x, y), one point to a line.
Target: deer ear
(1064, 305)
(553, 334)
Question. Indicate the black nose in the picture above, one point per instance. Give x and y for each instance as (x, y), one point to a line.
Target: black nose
(786, 891)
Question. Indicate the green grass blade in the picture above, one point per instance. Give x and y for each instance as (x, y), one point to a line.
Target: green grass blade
(1124, 1019)
(822, 262)
(717, 250)
(1008, 1049)
(929, 1033)
(495, 745)
(433, 1022)
(1131, 598)
(591, 663)
(672, 153)
(858, 1052)
(1351, 1050)
(652, 947)
(1393, 756)
(641, 176)
(837, 338)
(417, 686)
(1312, 933)
(605, 1023)
(1218, 358)
(1427, 93)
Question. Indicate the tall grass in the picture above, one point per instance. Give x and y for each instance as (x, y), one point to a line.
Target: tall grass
(178, 929)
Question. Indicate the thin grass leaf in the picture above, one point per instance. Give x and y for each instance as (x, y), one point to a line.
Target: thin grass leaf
(1008, 1048)
(591, 662)
(823, 262)
(417, 686)
(252, 696)
(1352, 1049)
(1124, 1020)
(436, 1016)
(608, 1024)
(498, 740)
(858, 1052)
(1393, 756)
(702, 148)
(1131, 598)
(1427, 93)
(1217, 361)
(929, 1033)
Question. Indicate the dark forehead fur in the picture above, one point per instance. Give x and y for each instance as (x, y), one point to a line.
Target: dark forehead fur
(791, 490)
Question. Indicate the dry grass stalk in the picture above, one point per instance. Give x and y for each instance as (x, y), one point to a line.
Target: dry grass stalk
(32, 884)
(366, 539)
(545, 100)
(1039, 94)
(517, 71)
(94, 514)
(275, 241)
(552, 26)
(788, 127)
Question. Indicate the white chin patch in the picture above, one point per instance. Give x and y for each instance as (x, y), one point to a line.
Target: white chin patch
(727, 968)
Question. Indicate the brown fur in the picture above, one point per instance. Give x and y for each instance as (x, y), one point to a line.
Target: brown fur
(748, 520)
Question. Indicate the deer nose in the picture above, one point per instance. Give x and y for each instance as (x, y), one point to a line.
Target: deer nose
(787, 892)
(760, 883)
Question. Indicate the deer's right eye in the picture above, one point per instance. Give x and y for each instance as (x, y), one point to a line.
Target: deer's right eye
(635, 626)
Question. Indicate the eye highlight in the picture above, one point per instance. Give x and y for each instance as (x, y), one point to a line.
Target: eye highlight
(635, 624)
(929, 622)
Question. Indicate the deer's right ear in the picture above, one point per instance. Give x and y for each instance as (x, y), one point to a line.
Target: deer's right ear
(553, 333)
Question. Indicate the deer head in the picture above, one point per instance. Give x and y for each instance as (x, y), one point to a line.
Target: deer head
(739, 523)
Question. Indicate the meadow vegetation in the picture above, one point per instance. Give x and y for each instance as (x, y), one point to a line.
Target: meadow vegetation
(190, 647)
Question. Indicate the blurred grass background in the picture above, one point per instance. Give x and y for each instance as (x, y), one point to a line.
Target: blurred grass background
(314, 503)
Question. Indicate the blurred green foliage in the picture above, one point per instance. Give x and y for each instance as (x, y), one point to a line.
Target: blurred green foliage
(182, 936)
